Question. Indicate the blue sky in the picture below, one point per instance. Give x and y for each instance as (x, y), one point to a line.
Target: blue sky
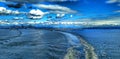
(89, 12)
(93, 7)
(84, 8)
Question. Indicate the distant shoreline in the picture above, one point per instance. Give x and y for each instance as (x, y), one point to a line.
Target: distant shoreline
(55, 28)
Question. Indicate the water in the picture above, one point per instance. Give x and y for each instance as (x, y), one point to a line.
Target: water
(105, 42)
(38, 44)
(46, 44)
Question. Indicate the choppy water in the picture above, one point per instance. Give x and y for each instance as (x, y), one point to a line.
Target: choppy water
(46, 44)
(105, 41)
(38, 44)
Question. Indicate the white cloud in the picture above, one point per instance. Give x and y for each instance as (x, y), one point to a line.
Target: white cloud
(112, 1)
(117, 11)
(15, 12)
(36, 1)
(59, 12)
(35, 14)
(4, 11)
(56, 8)
(2, 0)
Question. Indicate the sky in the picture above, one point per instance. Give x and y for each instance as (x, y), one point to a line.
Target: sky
(73, 9)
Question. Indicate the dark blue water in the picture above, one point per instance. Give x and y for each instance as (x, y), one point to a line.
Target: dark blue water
(105, 42)
(38, 44)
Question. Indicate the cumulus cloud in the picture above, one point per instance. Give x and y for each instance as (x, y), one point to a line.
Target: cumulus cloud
(56, 8)
(4, 11)
(35, 14)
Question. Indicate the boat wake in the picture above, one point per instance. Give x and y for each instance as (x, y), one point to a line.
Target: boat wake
(89, 49)
(36, 44)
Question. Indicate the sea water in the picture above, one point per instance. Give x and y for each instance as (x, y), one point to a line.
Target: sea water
(105, 41)
(39, 44)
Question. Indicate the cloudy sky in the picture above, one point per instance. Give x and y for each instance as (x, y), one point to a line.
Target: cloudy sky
(36, 1)
(82, 8)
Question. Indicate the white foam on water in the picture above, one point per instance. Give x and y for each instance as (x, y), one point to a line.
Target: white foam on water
(88, 48)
